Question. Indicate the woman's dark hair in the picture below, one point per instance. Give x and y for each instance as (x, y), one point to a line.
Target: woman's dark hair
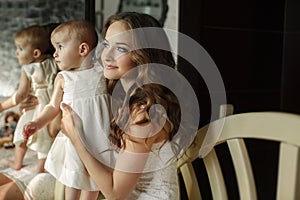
(145, 95)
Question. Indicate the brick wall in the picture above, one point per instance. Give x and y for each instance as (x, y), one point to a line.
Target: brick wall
(17, 14)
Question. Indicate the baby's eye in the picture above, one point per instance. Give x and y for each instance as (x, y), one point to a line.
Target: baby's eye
(60, 47)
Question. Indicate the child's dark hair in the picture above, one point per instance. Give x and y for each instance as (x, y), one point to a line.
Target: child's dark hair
(11, 114)
(144, 97)
(38, 37)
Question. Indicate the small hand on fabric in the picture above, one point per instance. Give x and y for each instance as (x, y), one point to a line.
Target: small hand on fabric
(29, 103)
(29, 129)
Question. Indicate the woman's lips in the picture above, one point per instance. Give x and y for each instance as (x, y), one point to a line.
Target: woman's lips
(110, 67)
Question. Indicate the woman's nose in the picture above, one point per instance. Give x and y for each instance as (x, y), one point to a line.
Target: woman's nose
(107, 55)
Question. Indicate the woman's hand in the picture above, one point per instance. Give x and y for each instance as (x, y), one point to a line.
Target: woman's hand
(28, 104)
(70, 122)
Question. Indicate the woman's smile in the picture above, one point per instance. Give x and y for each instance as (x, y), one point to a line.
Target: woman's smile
(109, 67)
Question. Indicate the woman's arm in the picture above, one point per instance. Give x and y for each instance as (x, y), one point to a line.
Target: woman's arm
(20, 95)
(114, 184)
(50, 111)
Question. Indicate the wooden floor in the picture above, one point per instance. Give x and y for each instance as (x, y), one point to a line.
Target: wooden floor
(30, 157)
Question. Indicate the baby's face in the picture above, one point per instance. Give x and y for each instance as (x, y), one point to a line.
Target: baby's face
(67, 51)
(10, 119)
(24, 52)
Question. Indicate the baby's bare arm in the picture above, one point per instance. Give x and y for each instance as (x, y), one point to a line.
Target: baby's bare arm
(20, 95)
(49, 112)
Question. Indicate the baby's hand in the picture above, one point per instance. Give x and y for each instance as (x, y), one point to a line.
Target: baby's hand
(29, 129)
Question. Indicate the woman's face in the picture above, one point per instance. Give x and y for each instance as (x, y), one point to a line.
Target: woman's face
(116, 56)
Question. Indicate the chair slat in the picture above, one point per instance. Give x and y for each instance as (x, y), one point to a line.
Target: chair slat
(190, 181)
(215, 176)
(280, 127)
(288, 187)
(59, 191)
(243, 169)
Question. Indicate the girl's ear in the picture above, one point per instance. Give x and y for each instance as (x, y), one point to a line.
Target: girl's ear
(37, 53)
(84, 49)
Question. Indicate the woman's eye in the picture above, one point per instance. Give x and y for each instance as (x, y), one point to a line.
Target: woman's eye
(60, 47)
(121, 49)
(105, 44)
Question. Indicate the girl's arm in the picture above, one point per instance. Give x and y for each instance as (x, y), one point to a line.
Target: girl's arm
(114, 184)
(50, 111)
(54, 126)
(20, 95)
(29, 103)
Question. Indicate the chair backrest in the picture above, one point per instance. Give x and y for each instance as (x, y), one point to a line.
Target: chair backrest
(280, 127)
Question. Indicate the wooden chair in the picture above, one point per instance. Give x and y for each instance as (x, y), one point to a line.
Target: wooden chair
(280, 127)
(60, 192)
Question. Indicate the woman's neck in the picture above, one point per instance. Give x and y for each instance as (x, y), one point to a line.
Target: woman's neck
(127, 83)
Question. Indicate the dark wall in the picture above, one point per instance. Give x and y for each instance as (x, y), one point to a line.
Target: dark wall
(290, 93)
(254, 45)
(15, 15)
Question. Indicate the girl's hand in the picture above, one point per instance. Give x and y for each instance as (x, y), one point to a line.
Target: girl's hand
(70, 122)
(29, 129)
(29, 103)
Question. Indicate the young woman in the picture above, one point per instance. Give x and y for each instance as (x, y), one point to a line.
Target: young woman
(141, 130)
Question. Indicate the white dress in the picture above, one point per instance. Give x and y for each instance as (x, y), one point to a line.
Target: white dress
(41, 76)
(85, 91)
(159, 179)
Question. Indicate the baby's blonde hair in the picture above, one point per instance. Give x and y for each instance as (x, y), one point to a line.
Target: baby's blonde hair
(80, 30)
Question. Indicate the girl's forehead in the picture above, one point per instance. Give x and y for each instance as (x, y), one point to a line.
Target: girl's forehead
(58, 37)
(63, 37)
(20, 40)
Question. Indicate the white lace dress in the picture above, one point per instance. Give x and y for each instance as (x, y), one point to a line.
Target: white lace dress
(160, 180)
(42, 77)
(85, 91)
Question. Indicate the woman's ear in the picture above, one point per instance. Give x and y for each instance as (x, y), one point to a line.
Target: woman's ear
(37, 53)
(84, 49)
